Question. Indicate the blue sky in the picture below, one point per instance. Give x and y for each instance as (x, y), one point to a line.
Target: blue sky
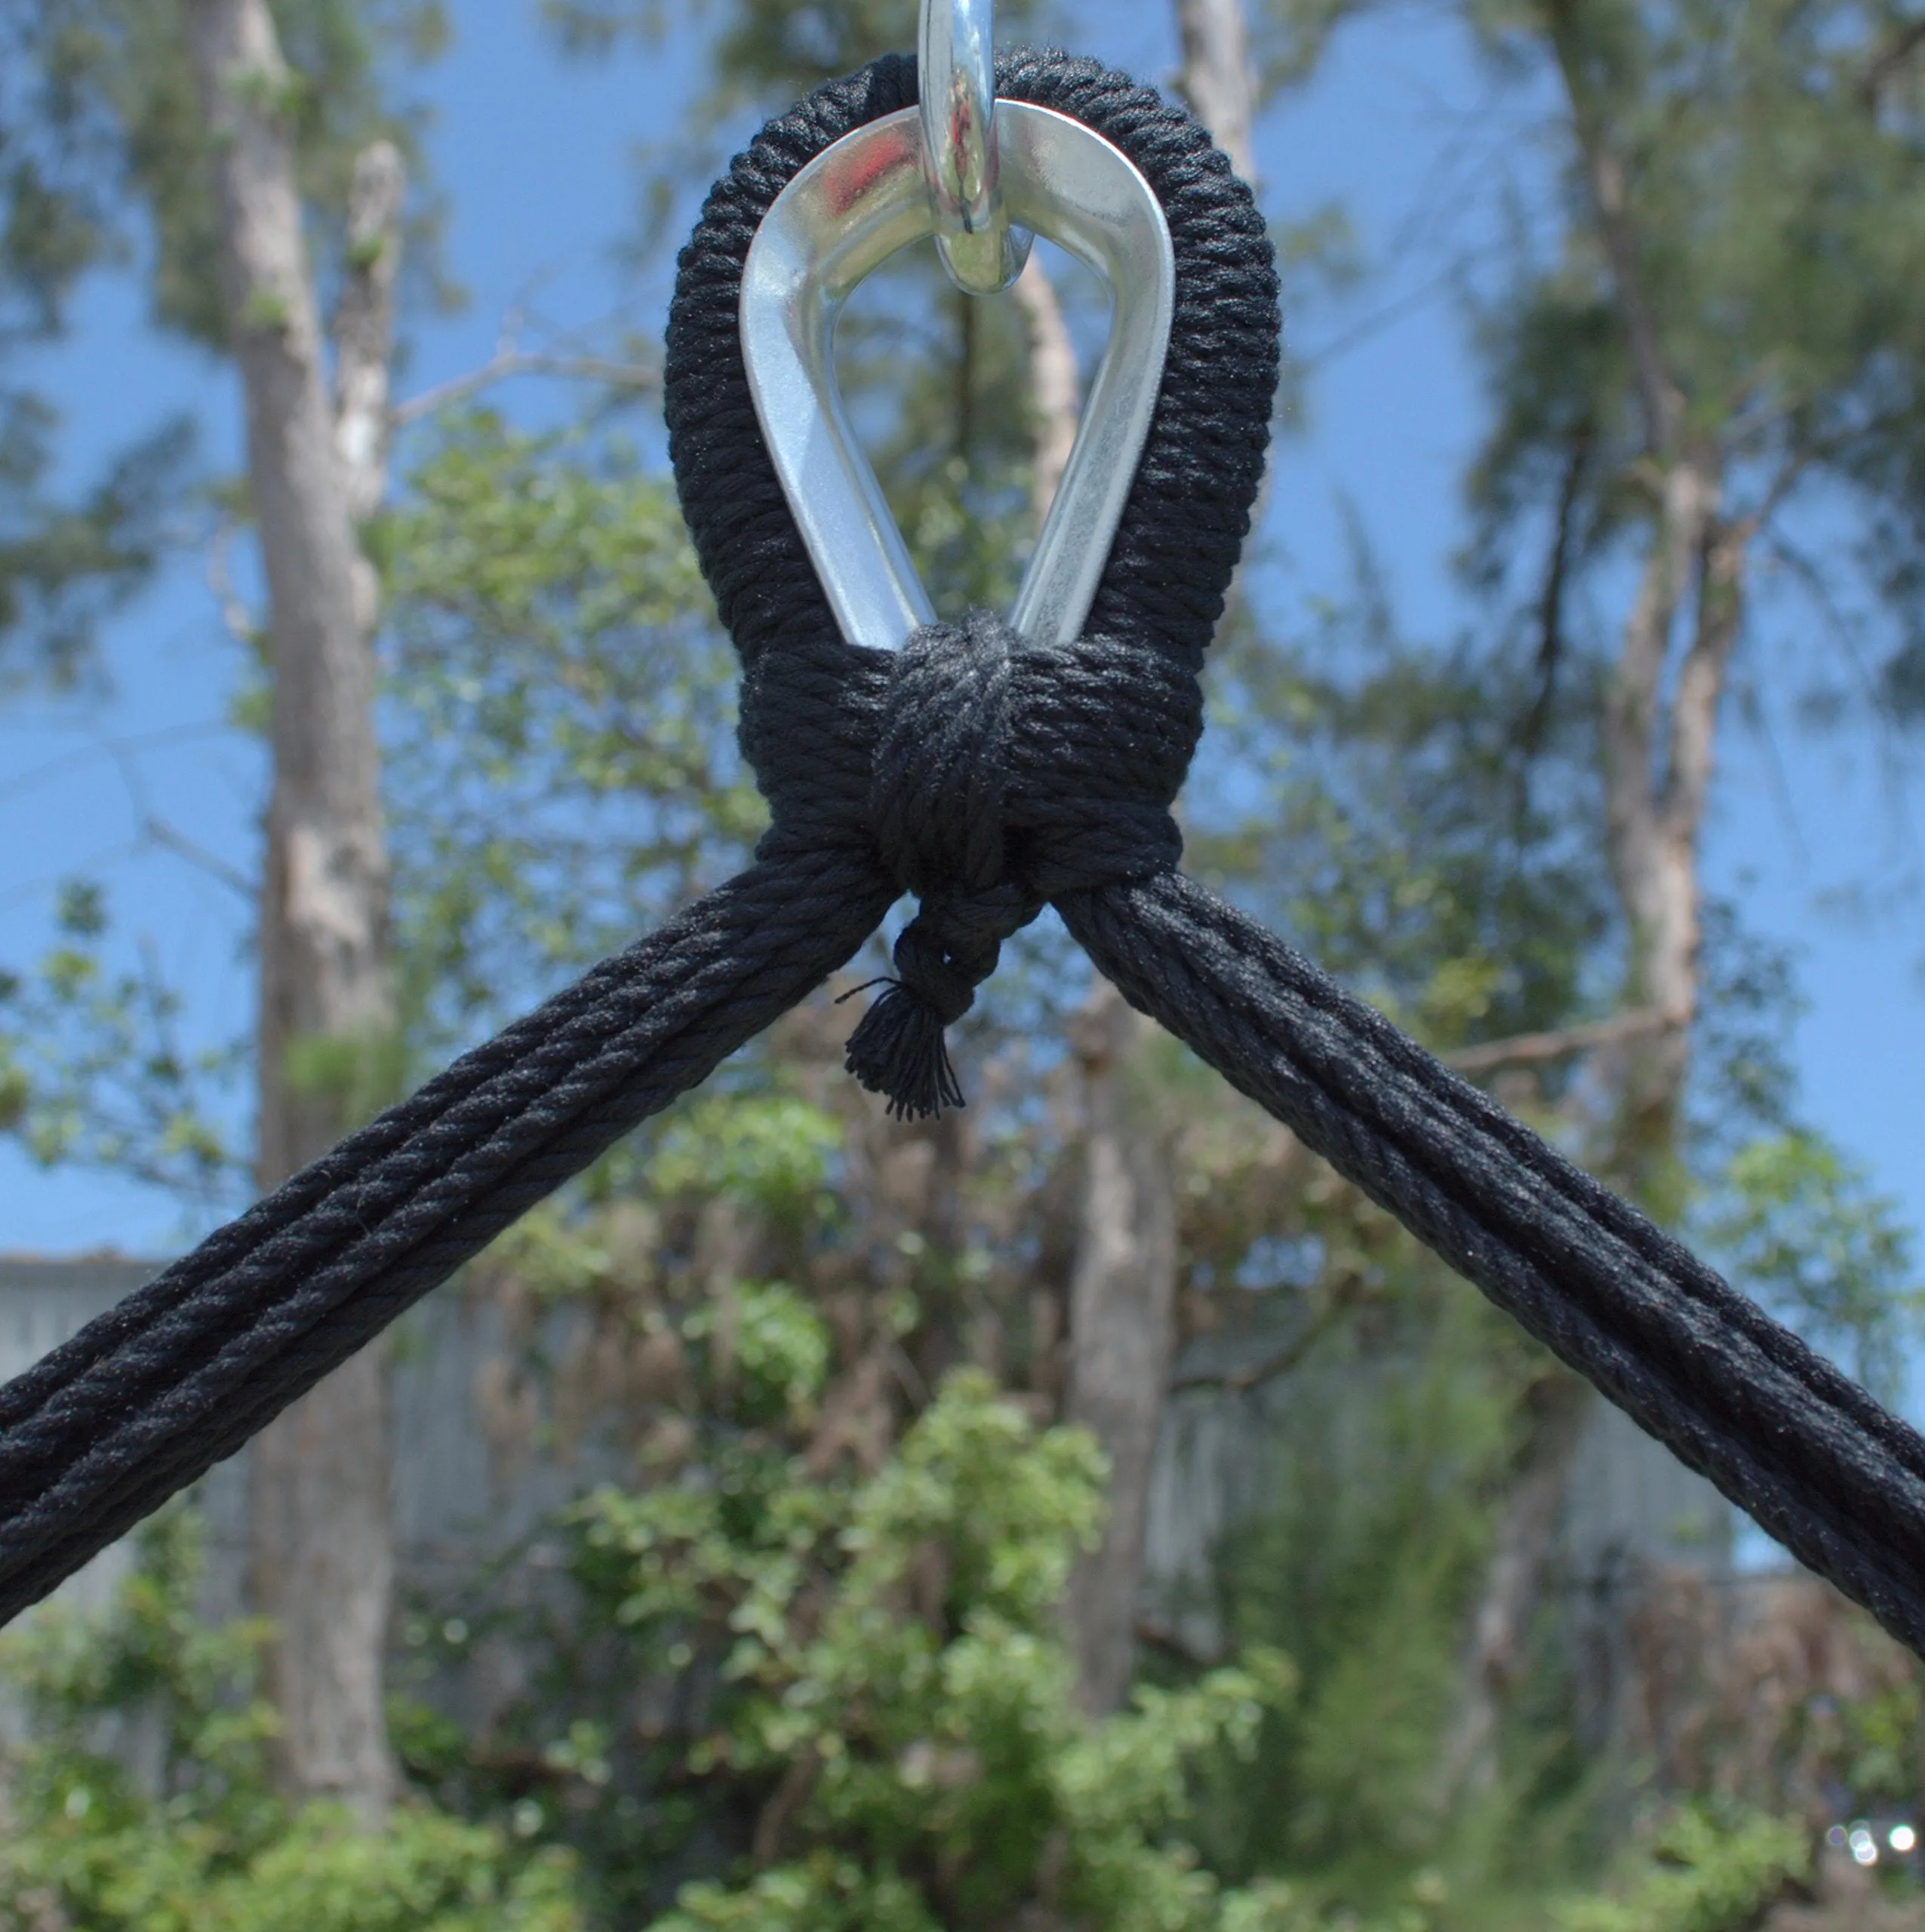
(1813, 836)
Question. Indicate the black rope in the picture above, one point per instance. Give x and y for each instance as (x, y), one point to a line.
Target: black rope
(151, 1395)
(988, 778)
(1839, 1481)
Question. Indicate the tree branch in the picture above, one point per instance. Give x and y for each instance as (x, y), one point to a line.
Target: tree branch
(1551, 598)
(158, 832)
(237, 619)
(1886, 61)
(1659, 397)
(1701, 679)
(1533, 1049)
(1279, 1361)
(507, 362)
(155, 830)
(788, 1798)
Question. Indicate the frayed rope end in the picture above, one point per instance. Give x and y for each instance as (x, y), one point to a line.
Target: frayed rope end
(898, 1050)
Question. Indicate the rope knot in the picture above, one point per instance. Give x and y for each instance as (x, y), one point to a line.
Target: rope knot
(1002, 775)
(938, 785)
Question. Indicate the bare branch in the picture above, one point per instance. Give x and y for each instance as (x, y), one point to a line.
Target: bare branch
(1801, 459)
(509, 361)
(1885, 64)
(1894, 757)
(1551, 598)
(1534, 1049)
(156, 831)
(1701, 678)
(1659, 396)
(55, 767)
(1279, 1361)
(788, 1798)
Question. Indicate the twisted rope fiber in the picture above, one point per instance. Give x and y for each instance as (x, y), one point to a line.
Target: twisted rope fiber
(151, 1395)
(988, 778)
(1801, 1447)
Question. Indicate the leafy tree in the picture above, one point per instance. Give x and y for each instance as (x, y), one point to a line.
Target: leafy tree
(1703, 1873)
(893, 1689)
(562, 768)
(807, 1667)
(105, 161)
(197, 1836)
(1799, 1226)
(92, 1072)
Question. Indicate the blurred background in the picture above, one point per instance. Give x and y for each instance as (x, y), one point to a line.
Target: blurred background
(1083, 1510)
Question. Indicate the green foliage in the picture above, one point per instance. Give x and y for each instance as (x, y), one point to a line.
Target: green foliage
(149, 1654)
(1385, 1468)
(426, 1873)
(1704, 1873)
(94, 1073)
(357, 1074)
(1771, 156)
(892, 1697)
(103, 161)
(561, 766)
(116, 101)
(771, 1153)
(1884, 1744)
(767, 53)
(779, 1347)
(198, 1840)
(1799, 1226)
(65, 566)
(764, 1151)
(1414, 844)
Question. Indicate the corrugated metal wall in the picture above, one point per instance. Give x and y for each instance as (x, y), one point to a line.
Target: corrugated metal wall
(482, 1463)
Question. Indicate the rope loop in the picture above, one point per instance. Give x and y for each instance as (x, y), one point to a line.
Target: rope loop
(981, 774)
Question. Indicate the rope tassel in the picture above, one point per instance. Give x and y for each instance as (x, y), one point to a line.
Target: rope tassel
(898, 1050)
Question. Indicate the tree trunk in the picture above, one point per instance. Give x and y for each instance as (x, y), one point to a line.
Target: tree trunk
(1656, 742)
(1054, 389)
(1219, 81)
(1500, 1623)
(1657, 771)
(321, 1549)
(1122, 1304)
(1122, 1284)
(1653, 828)
(1657, 759)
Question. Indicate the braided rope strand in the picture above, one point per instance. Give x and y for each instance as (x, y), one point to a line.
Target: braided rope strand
(147, 1398)
(1782, 1433)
